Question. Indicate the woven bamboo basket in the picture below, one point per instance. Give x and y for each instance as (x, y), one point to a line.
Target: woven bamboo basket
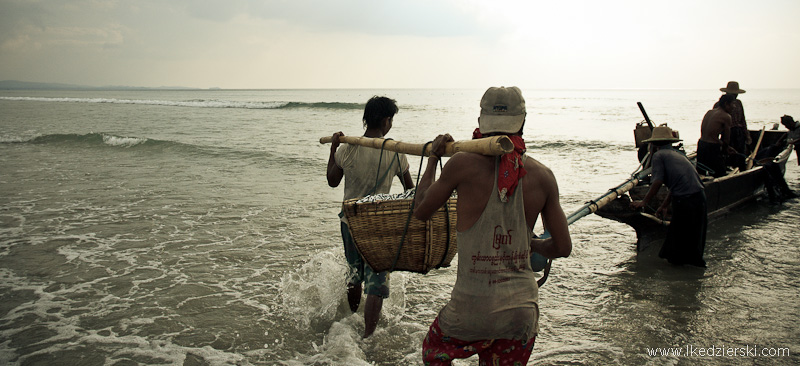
(377, 229)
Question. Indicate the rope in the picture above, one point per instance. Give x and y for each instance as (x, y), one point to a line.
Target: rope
(704, 167)
(378, 178)
(446, 223)
(410, 211)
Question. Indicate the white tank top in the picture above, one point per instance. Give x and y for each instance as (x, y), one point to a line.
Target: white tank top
(495, 295)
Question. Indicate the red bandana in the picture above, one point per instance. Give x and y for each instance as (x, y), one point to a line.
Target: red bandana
(511, 166)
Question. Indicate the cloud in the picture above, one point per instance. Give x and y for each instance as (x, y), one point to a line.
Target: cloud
(423, 18)
(412, 43)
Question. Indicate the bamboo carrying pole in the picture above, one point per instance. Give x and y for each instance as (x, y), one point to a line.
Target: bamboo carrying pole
(493, 146)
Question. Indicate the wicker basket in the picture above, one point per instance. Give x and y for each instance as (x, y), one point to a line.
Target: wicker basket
(377, 229)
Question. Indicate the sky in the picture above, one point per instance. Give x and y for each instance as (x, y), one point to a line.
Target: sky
(266, 44)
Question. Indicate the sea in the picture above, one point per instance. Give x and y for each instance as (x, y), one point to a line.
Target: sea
(196, 227)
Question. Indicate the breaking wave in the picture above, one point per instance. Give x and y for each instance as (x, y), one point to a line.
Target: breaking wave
(199, 103)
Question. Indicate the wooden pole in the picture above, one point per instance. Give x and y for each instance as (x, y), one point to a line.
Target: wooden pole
(755, 150)
(492, 146)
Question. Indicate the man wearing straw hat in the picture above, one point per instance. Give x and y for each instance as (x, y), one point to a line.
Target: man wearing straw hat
(493, 309)
(367, 171)
(686, 236)
(740, 137)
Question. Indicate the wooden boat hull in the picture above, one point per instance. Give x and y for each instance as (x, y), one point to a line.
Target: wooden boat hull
(723, 194)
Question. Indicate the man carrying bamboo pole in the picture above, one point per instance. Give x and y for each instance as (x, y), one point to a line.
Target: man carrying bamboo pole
(493, 310)
(367, 171)
(686, 236)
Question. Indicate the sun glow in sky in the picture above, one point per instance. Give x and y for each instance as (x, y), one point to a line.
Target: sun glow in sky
(402, 44)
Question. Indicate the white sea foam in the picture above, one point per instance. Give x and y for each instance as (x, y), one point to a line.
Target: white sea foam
(7, 138)
(123, 141)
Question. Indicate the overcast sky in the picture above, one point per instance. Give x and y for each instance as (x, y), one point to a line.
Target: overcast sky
(594, 44)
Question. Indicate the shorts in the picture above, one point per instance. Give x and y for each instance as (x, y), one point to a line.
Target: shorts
(374, 283)
(709, 156)
(439, 349)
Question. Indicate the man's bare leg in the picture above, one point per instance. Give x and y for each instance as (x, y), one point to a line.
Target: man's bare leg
(353, 296)
(372, 313)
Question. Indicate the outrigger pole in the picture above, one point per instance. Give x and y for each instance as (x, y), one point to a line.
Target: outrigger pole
(492, 146)
(612, 194)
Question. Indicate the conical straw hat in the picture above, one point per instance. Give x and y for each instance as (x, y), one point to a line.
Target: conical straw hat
(662, 134)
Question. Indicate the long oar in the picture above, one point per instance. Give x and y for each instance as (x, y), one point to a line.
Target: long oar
(493, 146)
(755, 150)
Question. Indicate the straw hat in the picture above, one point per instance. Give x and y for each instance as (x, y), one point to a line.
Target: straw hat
(502, 110)
(662, 134)
(733, 87)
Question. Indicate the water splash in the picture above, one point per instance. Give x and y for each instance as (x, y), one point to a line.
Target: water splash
(314, 291)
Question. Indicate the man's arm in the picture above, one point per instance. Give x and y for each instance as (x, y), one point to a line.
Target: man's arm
(726, 122)
(405, 178)
(748, 138)
(335, 172)
(662, 210)
(559, 244)
(654, 187)
(431, 194)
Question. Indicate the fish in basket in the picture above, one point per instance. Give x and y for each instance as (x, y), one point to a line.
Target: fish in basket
(390, 239)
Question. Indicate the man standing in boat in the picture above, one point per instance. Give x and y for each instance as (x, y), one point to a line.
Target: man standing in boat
(686, 236)
(493, 310)
(367, 171)
(714, 143)
(740, 137)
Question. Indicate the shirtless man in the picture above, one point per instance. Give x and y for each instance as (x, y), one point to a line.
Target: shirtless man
(715, 132)
(493, 310)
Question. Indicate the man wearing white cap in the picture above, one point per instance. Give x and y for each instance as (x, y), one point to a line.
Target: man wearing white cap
(686, 236)
(493, 309)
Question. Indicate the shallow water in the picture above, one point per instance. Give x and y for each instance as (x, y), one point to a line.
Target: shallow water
(196, 227)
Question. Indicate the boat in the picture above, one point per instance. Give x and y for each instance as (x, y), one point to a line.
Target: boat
(723, 194)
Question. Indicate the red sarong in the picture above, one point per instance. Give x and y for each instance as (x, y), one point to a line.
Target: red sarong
(439, 349)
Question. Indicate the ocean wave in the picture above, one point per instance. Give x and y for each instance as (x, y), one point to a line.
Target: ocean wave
(86, 139)
(198, 103)
(123, 141)
(148, 145)
(91, 140)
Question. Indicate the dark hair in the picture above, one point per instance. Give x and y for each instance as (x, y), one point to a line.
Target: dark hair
(726, 99)
(377, 109)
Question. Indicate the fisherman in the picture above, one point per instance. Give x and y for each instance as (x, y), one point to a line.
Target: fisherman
(793, 136)
(775, 185)
(777, 188)
(740, 137)
(715, 137)
(686, 236)
(367, 171)
(493, 310)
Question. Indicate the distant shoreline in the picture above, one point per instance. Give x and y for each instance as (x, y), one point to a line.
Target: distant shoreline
(27, 85)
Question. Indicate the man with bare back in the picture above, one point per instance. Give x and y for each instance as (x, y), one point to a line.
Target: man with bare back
(715, 132)
(493, 310)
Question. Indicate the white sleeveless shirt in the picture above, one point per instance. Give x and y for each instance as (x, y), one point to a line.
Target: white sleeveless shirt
(495, 295)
